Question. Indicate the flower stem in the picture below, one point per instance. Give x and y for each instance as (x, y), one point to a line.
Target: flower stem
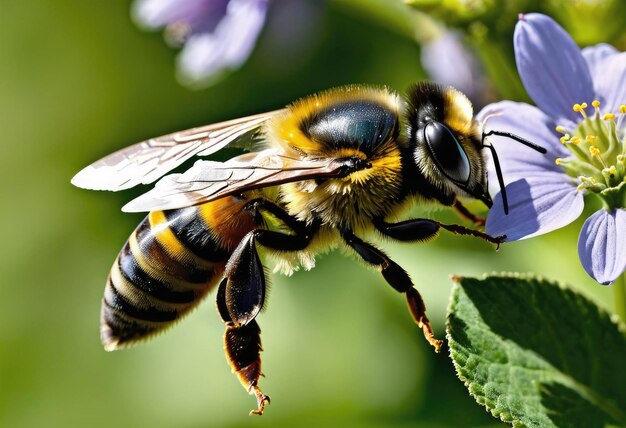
(619, 292)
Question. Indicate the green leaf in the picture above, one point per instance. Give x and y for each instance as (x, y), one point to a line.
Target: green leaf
(536, 354)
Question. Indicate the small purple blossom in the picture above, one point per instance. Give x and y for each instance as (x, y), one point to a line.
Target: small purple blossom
(448, 61)
(218, 35)
(586, 145)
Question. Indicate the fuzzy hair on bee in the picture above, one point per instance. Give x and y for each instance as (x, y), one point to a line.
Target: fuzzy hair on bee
(328, 171)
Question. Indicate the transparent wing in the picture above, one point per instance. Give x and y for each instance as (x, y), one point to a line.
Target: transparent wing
(145, 162)
(208, 180)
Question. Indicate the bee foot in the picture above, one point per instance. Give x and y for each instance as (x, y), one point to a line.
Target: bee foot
(261, 400)
(418, 310)
(430, 336)
(498, 240)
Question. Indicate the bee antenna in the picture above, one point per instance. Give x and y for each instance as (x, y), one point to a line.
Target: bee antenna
(517, 138)
(505, 201)
(496, 161)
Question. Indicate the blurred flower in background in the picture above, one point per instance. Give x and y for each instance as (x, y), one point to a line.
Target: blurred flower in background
(586, 148)
(217, 35)
(448, 61)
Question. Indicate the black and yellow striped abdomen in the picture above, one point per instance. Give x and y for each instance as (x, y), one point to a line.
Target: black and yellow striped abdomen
(169, 263)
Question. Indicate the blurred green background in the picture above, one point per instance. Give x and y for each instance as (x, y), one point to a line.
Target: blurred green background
(79, 80)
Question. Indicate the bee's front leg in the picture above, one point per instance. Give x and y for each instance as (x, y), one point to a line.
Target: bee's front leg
(423, 229)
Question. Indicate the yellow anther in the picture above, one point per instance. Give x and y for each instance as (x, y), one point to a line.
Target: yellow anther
(594, 151)
(558, 161)
(560, 129)
(596, 105)
(580, 108)
(622, 109)
(608, 116)
(565, 138)
(575, 140)
(612, 170)
(591, 138)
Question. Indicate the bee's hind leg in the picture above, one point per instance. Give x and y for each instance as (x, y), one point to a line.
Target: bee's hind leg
(243, 349)
(242, 344)
(398, 279)
(241, 295)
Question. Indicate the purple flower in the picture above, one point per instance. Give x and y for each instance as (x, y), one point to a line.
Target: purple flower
(218, 35)
(449, 62)
(579, 119)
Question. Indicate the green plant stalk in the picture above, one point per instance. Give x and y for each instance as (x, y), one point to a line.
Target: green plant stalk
(619, 292)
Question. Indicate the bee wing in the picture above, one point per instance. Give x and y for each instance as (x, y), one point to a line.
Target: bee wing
(145, 162)
(208, 180)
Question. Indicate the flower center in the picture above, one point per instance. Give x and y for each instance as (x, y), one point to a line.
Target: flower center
(598, 160)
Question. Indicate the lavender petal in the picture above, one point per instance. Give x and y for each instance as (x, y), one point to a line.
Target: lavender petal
(449, 62)
(594, 55)
(551, 67)
(610, 82)
(526, 121)
(199, 15)
(538, 204)
(206, 55)
(602, 245)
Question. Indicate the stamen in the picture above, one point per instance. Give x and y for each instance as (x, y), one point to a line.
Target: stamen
(560, 130)
(575, 140)
(595, 152)
(565, 138)
(558, 161)
(580, 108)
(622, 109)
(608, 116)
(591, 138)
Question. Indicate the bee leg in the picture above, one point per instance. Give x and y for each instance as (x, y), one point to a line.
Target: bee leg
(302, 232)
(243, 352)
(244, 285)
(398, 279)
(467, 214)
(260, 204)
(241, 296)
(421, 229)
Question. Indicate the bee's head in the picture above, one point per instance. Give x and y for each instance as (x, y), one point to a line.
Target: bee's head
(446, 141)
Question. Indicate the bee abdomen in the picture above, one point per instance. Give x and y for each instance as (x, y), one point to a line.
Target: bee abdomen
(157, 278)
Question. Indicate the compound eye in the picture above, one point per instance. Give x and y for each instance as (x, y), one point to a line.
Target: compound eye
(447, 152)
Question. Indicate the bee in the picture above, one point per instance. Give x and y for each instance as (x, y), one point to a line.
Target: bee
(321, 173)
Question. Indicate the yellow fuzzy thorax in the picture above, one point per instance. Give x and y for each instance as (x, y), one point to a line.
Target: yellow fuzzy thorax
(285, 129)
(351, 201)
